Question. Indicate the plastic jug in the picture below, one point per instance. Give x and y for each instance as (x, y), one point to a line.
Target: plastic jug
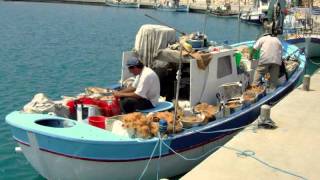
(238, 56)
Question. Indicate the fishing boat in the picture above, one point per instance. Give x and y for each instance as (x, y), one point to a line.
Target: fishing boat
(123, 4)
(256, 15)
(223, 11)
(65, 148)
(315, 11)
(311, 44)
(173, 6)
(300, 29)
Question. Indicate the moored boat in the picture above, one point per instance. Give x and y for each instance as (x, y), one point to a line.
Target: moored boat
(64, 148)
(223, 11)
(311, 44)
(300, 29)
(173, 6)
(123, 4)
(256, 15)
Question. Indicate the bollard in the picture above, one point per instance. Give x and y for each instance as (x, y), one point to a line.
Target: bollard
(306, 83)
(264, 120)
(265, 113)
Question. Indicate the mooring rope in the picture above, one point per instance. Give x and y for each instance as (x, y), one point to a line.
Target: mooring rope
(160, 151)
(246, 153)
(190, 159)
(147, 165)
(249, 153)
(218, 131)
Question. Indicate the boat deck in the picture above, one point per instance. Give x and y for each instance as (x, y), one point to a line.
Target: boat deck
(291, 148)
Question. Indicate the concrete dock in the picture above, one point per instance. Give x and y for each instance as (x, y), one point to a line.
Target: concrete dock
(289, 152)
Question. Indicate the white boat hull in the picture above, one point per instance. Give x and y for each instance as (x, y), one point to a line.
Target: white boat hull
(310, 43)
(253, 17)
(54, 166)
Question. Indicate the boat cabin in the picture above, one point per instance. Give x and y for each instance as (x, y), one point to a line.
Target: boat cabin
(202, 72)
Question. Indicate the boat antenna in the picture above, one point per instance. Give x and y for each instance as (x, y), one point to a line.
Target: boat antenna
(159, 21)
(206, 18)
(178, 72)
(239, 14)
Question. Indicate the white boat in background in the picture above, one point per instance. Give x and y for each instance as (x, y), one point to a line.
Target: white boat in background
(172, 5)
(315, 11)
(311, 43)
(123, 4)
(256, 15)
(64, 148)
(300, 29)
(222, 11)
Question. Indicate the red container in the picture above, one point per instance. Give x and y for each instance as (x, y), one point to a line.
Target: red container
(98, 121)
(116, 106)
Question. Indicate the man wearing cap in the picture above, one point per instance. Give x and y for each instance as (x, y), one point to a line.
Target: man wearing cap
(145, 90)
(270, 57)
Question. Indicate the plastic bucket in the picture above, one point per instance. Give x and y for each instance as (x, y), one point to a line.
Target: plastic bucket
(98, 121)
(238, 57)
(256, 54)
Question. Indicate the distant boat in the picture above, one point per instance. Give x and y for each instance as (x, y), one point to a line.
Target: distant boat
(223, 13)
(123, 4)
(256, 15)
(172, 6)
(315, 11)
(299, 30)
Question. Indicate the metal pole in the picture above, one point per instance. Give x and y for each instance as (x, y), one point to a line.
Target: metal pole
(177, 89)
(205, 20)
(239, 22)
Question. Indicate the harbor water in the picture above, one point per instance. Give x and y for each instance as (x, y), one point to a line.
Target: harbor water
(59, 49)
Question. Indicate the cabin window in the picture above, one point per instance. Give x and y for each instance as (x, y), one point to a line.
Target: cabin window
(224, 66)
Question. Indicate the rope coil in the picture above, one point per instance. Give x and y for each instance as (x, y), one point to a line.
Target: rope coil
(243, 153)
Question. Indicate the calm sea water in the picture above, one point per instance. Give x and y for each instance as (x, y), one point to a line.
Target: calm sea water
(59, 49)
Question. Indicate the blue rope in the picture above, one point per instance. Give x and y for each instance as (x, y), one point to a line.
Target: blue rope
(249, 153)
(191, 159)
(218, 131)
(246, 153)
(160, 151)
(147, 165)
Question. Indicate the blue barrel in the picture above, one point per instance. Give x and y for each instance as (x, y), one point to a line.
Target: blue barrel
(163, 125)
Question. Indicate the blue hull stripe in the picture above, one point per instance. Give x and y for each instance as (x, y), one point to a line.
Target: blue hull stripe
(128, 160)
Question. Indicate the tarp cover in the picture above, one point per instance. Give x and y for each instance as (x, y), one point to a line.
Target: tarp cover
(151, 38)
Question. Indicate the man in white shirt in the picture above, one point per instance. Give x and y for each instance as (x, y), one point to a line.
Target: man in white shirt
(270, 59)
(145, 90)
